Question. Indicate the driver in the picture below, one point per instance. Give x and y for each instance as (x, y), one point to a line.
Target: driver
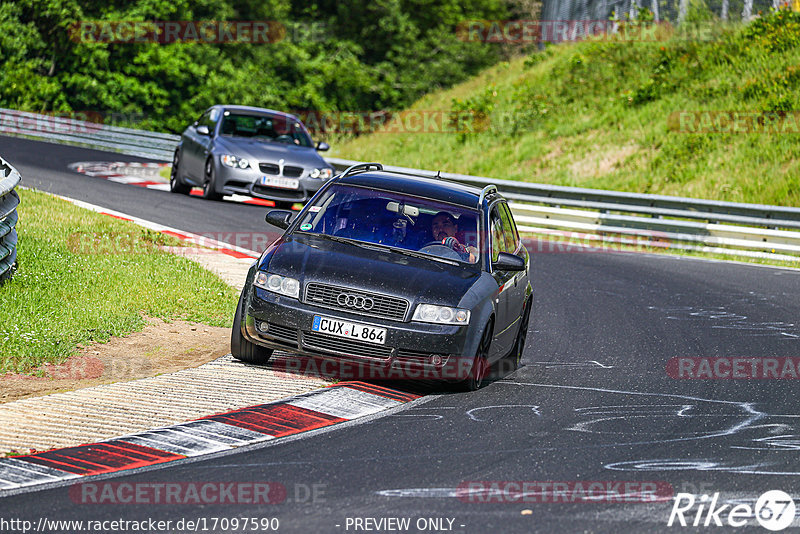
(444, 229)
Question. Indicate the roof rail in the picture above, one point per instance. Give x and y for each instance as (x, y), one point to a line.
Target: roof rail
(359, 167)
(485, 192)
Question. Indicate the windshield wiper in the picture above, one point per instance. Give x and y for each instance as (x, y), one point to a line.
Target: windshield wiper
(339, 239)
(380, 246)
(416, 254)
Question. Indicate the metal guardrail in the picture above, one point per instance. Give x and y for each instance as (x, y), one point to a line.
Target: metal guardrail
(600, 216)
(9, 200)
(141, 143)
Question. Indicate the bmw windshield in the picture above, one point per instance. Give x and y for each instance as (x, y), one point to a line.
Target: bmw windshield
(268, 128)
(394, 220)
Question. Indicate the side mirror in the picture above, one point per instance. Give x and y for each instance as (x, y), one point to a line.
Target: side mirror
(323, 146)
(203, 130)
(508, 262)
(280, 218)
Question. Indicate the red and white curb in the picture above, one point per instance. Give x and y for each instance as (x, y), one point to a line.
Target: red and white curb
(145, 175)
(225, 431)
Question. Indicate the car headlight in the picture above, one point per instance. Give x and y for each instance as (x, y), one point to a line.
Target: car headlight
(322, 174)
(233, 161)
(428, 313)
(283, 285)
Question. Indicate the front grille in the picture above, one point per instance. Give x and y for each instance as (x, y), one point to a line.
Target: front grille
(292, 172)
(346, 347)
(384, 306)
(269, 168)
(282, 194)
(284, 333)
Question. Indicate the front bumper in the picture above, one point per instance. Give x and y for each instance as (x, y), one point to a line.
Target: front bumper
(413, 350)
(232, 180)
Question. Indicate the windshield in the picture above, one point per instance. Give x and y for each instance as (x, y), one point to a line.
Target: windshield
(270, 128)
(395, 220)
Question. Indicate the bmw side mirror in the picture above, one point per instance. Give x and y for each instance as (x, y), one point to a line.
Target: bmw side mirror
(323, 146)
(508, 262)
(280, 218)
(203, 130)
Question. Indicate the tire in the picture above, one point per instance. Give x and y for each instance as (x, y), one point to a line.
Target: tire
(519, 345)
(209, 182)
(6, 276)
(241, 348)
(480, 365)
(175, 184)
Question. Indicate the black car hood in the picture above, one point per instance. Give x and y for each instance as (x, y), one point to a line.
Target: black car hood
(265, 151)
(316, 259)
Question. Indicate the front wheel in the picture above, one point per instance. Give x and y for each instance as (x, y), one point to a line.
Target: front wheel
(175, 184)
(241, 348)
(480, 365)
(210, 182)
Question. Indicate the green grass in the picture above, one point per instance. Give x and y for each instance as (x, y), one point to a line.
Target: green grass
(84, 277)
(597, 114)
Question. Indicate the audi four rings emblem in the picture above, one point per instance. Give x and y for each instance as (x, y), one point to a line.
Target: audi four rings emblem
(355, 301)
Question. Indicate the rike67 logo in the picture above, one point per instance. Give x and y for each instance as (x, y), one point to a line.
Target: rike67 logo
(774, 510)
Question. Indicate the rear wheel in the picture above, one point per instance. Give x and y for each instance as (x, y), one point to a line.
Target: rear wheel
(480, 365)
(175, 184)
(519, 345)
(241, 348)
(210, 183)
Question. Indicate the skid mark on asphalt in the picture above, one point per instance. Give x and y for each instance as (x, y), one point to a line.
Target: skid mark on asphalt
(587, 364)
(726, 320)
(730, 425)
(471, 413)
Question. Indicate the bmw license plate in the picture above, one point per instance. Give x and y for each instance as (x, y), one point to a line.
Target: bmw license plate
(355, 331)
(280, 181)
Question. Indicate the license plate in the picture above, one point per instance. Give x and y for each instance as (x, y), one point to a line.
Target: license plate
(280, 181)
(354, 331)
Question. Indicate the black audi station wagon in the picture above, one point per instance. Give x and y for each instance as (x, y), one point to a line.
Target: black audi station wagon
(393, 272)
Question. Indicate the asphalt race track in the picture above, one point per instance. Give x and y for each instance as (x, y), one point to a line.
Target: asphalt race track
(592, 402)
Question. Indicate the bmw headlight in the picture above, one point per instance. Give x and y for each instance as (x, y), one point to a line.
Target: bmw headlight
(428, 313)
(283, 285)
(322, 174)
(233, 161)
